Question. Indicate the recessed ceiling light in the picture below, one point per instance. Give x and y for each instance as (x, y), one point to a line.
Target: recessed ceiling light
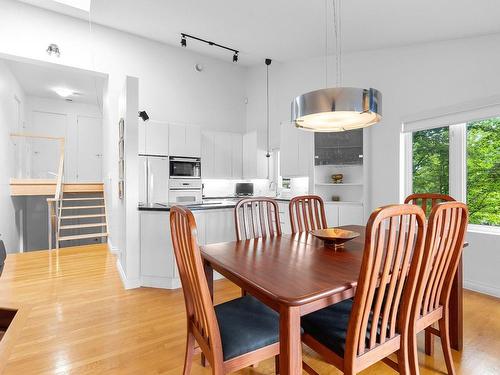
(79, 4)
(63, 91)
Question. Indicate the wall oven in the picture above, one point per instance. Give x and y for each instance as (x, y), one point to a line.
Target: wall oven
(185, 167)
(184, 191)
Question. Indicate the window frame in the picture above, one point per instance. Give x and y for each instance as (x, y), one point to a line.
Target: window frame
(457, 162)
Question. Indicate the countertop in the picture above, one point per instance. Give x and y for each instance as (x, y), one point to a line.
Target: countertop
(213, 203)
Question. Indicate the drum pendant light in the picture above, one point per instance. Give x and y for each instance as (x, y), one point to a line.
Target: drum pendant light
(338, 108)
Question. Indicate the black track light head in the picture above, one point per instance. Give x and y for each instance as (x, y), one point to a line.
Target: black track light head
(183, 41)
(143, 115)
(235, 57)
(268, 61)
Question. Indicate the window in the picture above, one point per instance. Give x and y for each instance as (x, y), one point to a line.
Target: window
(483, 171)
(462, 160)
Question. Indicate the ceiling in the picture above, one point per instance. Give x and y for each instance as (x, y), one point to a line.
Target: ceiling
(292, 29)
(40, 81)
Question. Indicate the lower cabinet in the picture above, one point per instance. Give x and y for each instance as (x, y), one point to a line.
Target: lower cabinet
(338, 214)
(284, 218)
(158, 266)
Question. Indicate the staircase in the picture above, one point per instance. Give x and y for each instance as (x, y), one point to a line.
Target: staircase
(82, 219)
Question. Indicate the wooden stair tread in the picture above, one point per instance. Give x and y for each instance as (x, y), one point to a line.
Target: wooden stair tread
(81, 216)
(84, 199)
(83, 236)
(81, 226)
(81, 207)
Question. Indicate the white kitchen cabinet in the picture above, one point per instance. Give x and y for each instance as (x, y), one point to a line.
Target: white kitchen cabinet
(254, 158)
(284, 217)
(351, 215)
(219, 226)
(221, 155)
(236, 156)
(207, 154)
(296, 151)
(184, 140)
(157, 138)
(338, 214)
(157, 256)
(332, 215)
(153, 138)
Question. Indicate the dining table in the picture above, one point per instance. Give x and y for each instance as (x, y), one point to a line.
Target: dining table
(296, 274)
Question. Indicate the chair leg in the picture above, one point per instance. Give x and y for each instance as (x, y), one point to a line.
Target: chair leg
(188, 358)
(429, 343)
(243, 292)
(444, 329)
(403, 360)
(277, 364)
(413, 354)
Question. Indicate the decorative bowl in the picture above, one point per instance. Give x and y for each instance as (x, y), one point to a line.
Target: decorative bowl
(334, 238)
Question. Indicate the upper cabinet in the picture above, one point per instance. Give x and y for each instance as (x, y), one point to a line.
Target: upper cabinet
(153, 138)
(184, 140)
(221, 155)
(254, 158)
(340, 148)
(296, 151)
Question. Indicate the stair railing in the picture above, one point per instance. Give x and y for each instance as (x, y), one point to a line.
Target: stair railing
(54, 205)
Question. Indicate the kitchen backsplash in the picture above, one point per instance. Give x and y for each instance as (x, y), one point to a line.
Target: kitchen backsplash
(262, 187)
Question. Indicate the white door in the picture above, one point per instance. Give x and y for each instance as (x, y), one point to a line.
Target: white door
(158, 179)
(45, 152)
(177, 140)
(351, 215)
(222, 165)
(193, 141)
(237, 156)
(219, 226)
(207, 154)
(89, 149)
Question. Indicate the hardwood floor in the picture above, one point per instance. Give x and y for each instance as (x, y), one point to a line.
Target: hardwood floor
(83, 322)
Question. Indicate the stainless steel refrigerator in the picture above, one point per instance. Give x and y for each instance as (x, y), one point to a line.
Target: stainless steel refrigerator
(153, 179)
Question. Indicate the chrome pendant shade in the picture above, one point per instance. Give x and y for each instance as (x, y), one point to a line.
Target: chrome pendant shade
(337, 109)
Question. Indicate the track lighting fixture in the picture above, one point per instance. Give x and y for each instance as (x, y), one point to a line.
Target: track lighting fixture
(210, 43)
(143, 115)
(53, 49)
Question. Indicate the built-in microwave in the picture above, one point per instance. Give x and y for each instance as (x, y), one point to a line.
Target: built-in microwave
(181, 167)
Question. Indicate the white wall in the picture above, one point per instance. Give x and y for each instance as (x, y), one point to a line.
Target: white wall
(412, 79)
(9, 91)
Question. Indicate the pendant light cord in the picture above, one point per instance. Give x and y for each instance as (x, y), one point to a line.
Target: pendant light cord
(268, 153)
(338, 40)
(326, 43)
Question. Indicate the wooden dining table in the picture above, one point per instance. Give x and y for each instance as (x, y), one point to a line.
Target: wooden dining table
(295, 274)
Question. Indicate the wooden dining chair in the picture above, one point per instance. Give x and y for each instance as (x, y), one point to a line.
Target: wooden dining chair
(257, 217)
(354, 334)
(422, 199)
(232, 335)
(444, 243)
(307, 212)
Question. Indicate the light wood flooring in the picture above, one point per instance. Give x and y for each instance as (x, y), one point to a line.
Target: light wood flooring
(83, 322)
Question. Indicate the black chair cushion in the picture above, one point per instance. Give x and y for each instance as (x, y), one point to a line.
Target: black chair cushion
(329, 325)
(246, 325)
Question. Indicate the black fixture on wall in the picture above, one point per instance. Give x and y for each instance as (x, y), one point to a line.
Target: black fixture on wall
(143, 115)
(210, 43)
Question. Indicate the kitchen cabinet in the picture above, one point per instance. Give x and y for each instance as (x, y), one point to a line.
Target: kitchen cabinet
(184, 140)
(296, 151)
(255, 163)
(338, 214)
(219, 226)
(339, 148)
(221, 155)
(284, 217)
(153, 138)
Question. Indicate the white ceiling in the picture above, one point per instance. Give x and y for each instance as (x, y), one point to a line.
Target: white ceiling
(292, 29)
(40, 81)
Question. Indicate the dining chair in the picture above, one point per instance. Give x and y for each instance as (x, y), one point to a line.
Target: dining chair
(232, 335)
(422, 199)
(257, 217)
(443, 248)
(3, 256)
(354, 334)
(307, 212)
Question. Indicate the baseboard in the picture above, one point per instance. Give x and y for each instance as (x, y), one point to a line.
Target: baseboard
(160, 282)
(113, 249)
(127, 284)
(475, 286)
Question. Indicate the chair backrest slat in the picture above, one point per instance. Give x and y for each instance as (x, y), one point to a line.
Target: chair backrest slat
(257, 217)
(444, 242)
(391, 260)
(307, 212)
(421, 199)
(199, 307)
